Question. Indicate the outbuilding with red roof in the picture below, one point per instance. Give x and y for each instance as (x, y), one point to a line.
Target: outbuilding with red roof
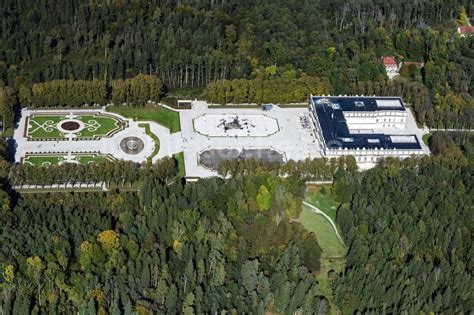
(466, 30)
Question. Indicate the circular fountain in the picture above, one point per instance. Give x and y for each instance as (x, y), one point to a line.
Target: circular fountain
(132, 145)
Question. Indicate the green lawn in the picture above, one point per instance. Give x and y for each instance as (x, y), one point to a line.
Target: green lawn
(158, 114)
(155, 139)
(426, 138)
(324, 232)
(54, 159)
(323, 201)
(45, 126)
(42, 126)
(179, 157)
(107, 125)
(333, 255)
(328, 264)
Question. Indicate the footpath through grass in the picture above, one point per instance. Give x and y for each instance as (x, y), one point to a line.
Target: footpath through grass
(324, 232)
(334, 252)
(323, 201)
(158, 114)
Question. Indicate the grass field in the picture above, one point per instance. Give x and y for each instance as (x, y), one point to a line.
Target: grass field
(324, 232)
(45, 126)
(158, 114)
(54, 159)
(8, 132)
(179, 157)
(334, 252)
(323, 201)
(333, 255)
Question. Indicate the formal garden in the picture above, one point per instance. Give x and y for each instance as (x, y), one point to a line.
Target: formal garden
(62, 126)
(39, 159)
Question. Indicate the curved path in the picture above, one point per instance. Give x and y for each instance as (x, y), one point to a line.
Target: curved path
(319, 211)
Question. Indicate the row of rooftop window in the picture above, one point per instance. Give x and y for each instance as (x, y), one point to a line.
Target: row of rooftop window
(375, 114)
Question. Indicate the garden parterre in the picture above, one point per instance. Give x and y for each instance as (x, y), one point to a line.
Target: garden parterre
(62, 126)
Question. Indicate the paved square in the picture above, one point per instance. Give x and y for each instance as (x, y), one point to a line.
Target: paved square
(294, 138)
(238, 125)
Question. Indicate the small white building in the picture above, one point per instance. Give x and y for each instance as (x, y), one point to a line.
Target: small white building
(466, 30)
(391, 66)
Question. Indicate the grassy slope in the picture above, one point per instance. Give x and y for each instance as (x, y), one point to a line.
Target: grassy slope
(333, 256)
(160, 115)
(324, 232)
(323, 201)
(187, 92)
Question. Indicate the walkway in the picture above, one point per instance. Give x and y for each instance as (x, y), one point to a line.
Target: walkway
(450, 130)
(319, 211)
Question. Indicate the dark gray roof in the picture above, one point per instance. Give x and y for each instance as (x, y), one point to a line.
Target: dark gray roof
(336, 133)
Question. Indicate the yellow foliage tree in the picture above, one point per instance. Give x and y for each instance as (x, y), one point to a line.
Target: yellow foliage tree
(86, 247)
(97, 295)
(142, 310)
(86, 254)
(263, 198)
(331, 50)
(108, 239)
(36, 263)
(463, 19)
(9, 273)
(177, 245)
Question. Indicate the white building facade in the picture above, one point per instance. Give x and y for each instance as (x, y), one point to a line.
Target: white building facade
(368, 128)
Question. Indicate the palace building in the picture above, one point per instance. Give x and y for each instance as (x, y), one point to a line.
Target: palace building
(369, 128)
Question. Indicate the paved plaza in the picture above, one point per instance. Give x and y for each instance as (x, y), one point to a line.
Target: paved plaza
(238, 125)
(287, 130)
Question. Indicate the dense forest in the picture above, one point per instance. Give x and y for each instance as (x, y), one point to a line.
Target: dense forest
(136, 91)
(409, 231)
(202, 248)
(196, 43)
